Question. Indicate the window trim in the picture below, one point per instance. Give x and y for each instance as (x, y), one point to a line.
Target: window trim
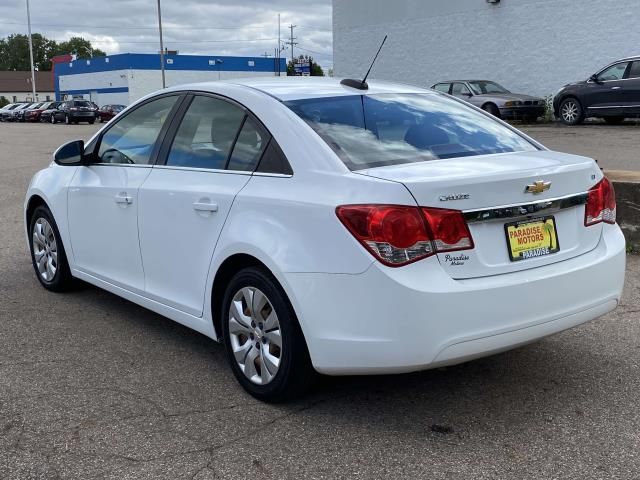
(163, 151)
(161, 134)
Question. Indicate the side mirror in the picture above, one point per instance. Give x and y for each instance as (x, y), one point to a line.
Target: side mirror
(594, 78)
(70, 154)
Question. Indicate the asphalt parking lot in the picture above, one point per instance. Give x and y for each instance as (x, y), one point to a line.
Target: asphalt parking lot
(92, 386)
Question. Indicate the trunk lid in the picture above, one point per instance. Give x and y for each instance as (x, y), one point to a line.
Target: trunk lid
(491, 190)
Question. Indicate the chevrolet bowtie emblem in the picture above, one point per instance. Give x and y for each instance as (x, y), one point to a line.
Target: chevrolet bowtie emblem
(538, 187)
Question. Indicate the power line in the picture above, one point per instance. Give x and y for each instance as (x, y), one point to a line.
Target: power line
(122, 27)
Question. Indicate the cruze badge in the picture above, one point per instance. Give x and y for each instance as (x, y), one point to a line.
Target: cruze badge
(455, 196)
(538, 187)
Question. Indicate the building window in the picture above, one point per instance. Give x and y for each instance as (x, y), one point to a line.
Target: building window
(15, 99)
(48, 98)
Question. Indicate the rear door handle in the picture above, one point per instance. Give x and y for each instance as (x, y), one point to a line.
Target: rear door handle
(205, 207)
(123, 198)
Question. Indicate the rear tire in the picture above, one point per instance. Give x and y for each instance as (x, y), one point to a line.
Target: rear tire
(571, 111)
(492, 109)
(614, 120)
(67, 120)
(47, 252)
(53, 119)
(264, 343)
(91, 122)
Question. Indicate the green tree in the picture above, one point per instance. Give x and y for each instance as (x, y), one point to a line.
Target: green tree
(3, 101)
(316, 70)
(81, 47)
(14, 51)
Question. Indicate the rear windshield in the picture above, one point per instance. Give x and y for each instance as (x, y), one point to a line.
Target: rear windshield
(369, 131)
(81, 103)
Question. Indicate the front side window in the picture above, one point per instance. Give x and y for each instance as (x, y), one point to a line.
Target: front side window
(132, 138)
(206, 134)
(615, 72)
(368, 131)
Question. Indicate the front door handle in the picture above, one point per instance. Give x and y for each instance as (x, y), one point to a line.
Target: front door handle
(205, 207)
(123, 198)
(615, 88)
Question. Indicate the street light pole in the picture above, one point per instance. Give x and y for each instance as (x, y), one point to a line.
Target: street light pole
(161, 44)
(33, 74)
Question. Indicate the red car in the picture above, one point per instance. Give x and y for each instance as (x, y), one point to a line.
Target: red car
(107, 112)
(34, 114)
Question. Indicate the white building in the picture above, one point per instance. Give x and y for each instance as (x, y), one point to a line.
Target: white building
(124, 78)
(529, 46)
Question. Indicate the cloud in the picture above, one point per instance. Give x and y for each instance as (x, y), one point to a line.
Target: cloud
(223, 27)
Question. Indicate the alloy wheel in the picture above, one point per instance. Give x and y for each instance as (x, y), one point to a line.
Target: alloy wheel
(254, 332)
(570, 111)
(45, 249)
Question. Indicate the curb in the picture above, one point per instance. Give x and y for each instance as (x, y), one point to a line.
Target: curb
(627, 186)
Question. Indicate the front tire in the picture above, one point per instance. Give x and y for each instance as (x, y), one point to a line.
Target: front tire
(47, 252)
(53, 119)
(91, 122)
(67, 120)
(264, 343)
(571, 112)
(492, 109)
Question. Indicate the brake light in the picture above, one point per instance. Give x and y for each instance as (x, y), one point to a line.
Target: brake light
(397, 235)
(601, 204)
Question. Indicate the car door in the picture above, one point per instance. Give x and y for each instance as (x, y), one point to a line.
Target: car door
(462, 91)
(103, 196)
(185, 201)
(604, 94)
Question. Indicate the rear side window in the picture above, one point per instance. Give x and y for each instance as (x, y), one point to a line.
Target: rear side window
(206, 134)
(634, 71)
(274, 161)
(251, 142)
(368, 131)
(442, 87)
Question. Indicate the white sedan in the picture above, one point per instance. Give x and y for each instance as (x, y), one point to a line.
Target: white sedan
(311, 225)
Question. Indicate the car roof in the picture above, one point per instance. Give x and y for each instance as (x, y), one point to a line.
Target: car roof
(296, 88)
(464, 81)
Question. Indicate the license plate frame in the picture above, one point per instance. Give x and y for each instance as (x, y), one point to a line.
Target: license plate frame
(534, 248)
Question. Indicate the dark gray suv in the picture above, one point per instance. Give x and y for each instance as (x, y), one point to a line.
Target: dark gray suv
(613, 93)
(74, 111)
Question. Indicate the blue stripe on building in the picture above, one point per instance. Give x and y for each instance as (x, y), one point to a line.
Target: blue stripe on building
(151, 61)
(88, 91)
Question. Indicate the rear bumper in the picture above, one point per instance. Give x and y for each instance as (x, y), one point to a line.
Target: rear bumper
(416, 317)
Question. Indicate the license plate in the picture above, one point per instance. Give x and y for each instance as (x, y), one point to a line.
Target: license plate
(532, 238)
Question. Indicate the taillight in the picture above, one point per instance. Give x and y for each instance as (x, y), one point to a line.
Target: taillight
(601, 204)
(397, 235)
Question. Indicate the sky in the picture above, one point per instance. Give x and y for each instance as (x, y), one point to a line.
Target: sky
(208, 27)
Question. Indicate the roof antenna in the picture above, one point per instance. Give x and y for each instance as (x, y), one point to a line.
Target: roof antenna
(362, 84)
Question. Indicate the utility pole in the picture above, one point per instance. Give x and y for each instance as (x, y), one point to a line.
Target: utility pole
(291, 42)
(279, 47)
(161, 44)
(33, 75)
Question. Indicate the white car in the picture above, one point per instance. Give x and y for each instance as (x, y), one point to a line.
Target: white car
(312, 225)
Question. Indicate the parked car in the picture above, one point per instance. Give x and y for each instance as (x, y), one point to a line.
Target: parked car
(494, 99)
(16, 113)
(107, 112)
(613, 93)
(48, 114)
(307, 224)
(75, 111)
(7, 111)
(34, 113)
